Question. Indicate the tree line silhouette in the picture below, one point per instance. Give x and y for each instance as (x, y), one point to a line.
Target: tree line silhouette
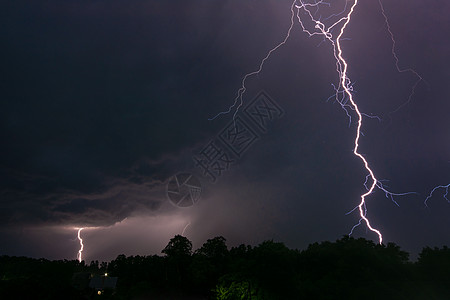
(346, 269)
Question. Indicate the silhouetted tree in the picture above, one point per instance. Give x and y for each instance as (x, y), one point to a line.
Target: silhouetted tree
(215, 248)
(178, 258)
(179, 246)
(434, 269)
(209, 263)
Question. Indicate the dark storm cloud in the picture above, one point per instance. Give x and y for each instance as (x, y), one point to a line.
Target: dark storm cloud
(83, 102)
(111, 202)
(92, 89)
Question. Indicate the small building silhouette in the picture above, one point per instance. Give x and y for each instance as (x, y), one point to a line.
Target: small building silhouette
(102, 283)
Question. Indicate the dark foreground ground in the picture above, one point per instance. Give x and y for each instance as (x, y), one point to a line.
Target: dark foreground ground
(346, 269)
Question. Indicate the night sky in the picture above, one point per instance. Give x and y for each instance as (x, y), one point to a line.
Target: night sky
(102, 102)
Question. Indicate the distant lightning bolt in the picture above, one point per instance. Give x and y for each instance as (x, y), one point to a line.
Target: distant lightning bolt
(80, 252)
(343, 92)
(185, 227)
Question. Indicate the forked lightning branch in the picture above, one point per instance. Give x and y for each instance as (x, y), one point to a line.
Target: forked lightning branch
(332, 29)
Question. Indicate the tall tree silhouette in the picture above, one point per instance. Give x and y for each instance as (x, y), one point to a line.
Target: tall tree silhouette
(178, 258)
(178, 247)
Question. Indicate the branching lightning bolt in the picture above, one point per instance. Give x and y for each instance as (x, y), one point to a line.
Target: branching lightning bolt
(343, 91)
(419, 79)
(399, 69)
(444, 187)
(80, 252)
(238, 101)
(345, 83)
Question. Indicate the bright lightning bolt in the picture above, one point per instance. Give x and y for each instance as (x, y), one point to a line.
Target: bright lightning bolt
(80, 252)
(345, 84)
(343, 92)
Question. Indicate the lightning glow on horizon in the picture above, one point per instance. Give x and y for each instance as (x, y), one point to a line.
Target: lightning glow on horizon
(80, 252)
(343, 91)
